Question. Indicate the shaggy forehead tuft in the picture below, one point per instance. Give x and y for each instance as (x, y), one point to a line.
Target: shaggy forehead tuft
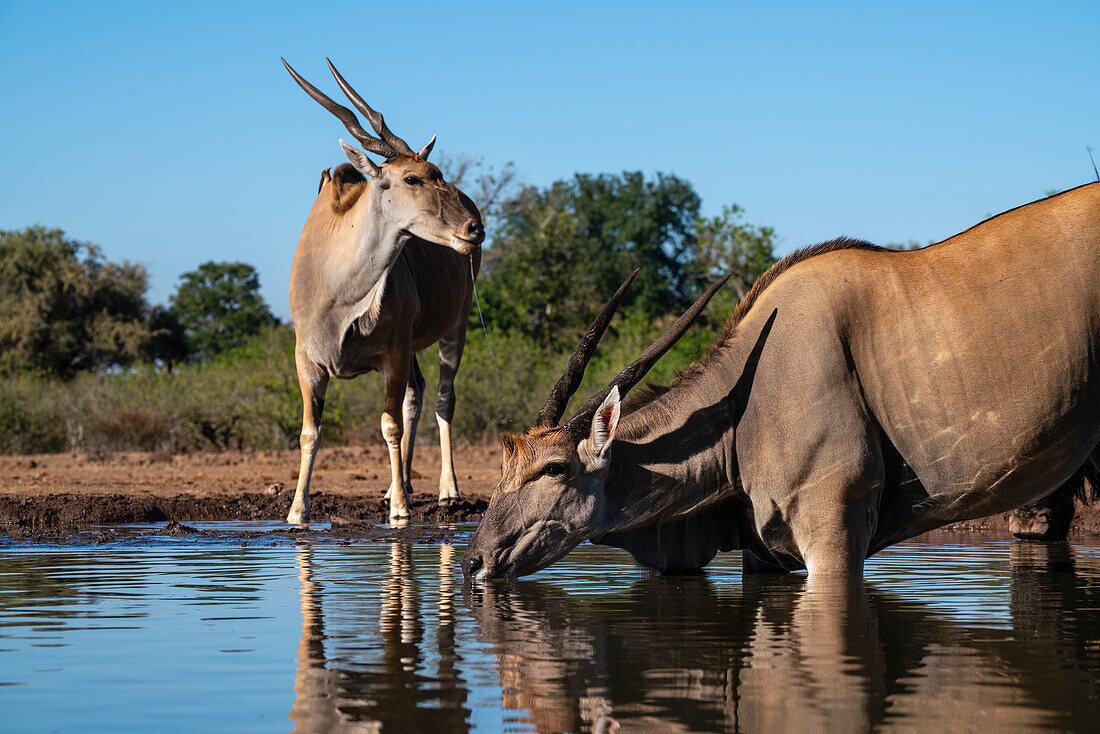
(523, 450)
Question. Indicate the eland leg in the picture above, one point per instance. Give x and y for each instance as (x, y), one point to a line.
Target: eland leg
(396, 376)
(833, 530)
(1049, 518)
(450, 356)
(313, 382)
(414, 402)
(832, 513)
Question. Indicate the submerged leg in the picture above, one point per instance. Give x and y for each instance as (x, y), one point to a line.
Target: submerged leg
(313, 382)
(450, 356)
(833, 534)
(396, 377)
(826, 519)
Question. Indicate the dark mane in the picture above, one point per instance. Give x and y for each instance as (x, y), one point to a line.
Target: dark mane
(1089, 490)
(782, 266)
(650, 392)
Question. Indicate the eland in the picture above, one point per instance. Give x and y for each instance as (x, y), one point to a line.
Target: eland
(384, 268)
(857, 397)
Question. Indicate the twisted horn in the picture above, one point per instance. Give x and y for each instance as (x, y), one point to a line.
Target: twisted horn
(637, 369)
(375, 118)
(574, 371)
(346, 116)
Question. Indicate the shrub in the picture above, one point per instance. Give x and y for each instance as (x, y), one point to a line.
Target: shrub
(248, 397)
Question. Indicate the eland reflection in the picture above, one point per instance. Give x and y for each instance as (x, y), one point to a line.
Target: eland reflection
(680, 654)
(362, 681)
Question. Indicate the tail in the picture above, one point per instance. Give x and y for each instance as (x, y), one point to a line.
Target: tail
(1088, 484)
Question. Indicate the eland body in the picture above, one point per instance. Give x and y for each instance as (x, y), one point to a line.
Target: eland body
(384, 269)
(857, 397)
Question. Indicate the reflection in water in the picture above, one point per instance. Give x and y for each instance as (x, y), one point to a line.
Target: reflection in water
(342, 690)
(675, 654)
(196, 637)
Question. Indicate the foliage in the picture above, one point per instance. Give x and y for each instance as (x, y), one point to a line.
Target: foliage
(557, 253)
(32, 415)
(219, 306)
(725, 244)
(64, 308)
(248, 397)
(561, 251)
(168, 341)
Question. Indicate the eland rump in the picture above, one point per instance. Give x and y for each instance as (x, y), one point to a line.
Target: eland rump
(857, 397)
(384, 268)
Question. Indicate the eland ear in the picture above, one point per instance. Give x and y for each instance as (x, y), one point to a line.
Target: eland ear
(604, 423)
(359, 159)
(509, 444)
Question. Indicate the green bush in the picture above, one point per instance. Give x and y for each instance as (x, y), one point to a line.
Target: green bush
(248, 397)
(32, 418)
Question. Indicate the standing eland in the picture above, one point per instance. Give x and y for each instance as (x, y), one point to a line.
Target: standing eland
(384, 269)
(857, 397)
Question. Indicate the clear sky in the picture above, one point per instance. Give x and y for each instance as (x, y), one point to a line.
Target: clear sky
(169, 133)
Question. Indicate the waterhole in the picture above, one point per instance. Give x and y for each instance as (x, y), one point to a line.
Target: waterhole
(179, 634)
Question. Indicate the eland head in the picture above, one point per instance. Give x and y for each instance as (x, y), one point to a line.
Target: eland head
(551, 493)
(412, 194)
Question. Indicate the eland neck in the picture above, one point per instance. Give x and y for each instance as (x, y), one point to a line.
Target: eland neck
(675, 454)
(378, 243)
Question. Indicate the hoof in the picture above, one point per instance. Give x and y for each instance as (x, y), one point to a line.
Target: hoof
(448, 500)
(297, 518)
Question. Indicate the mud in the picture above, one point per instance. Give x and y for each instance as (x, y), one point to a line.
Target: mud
(58, 498)
(55, 497)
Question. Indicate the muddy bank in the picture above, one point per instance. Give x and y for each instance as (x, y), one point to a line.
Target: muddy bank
(56, 513)
(53, 495)
(341, 533)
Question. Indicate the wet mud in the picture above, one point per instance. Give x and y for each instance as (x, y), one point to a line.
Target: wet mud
(58, 498)
(50, 498)
(65, 517)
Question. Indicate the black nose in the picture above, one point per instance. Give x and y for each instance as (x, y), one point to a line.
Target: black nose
(475, 232)
(471, 564)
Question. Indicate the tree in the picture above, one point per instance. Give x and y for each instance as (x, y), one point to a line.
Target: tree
(485, 184)
(64, 308)
(219, 307)
(725, 244)
(559, 252)
(168, 341)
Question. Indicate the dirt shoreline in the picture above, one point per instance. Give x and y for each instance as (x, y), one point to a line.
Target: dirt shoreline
(45, 497)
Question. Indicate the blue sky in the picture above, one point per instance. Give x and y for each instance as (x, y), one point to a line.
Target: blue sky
(170, 134)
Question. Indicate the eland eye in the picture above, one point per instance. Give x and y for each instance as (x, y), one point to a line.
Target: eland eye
(555, 469)
(413, 181)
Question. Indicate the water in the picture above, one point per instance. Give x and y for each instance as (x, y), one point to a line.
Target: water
(185, 635)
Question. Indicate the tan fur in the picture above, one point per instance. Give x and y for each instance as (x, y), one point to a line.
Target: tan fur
(378, 276)
(857, 397)
(783, 265)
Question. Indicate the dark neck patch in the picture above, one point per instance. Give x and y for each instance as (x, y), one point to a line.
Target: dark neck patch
(347, 186)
